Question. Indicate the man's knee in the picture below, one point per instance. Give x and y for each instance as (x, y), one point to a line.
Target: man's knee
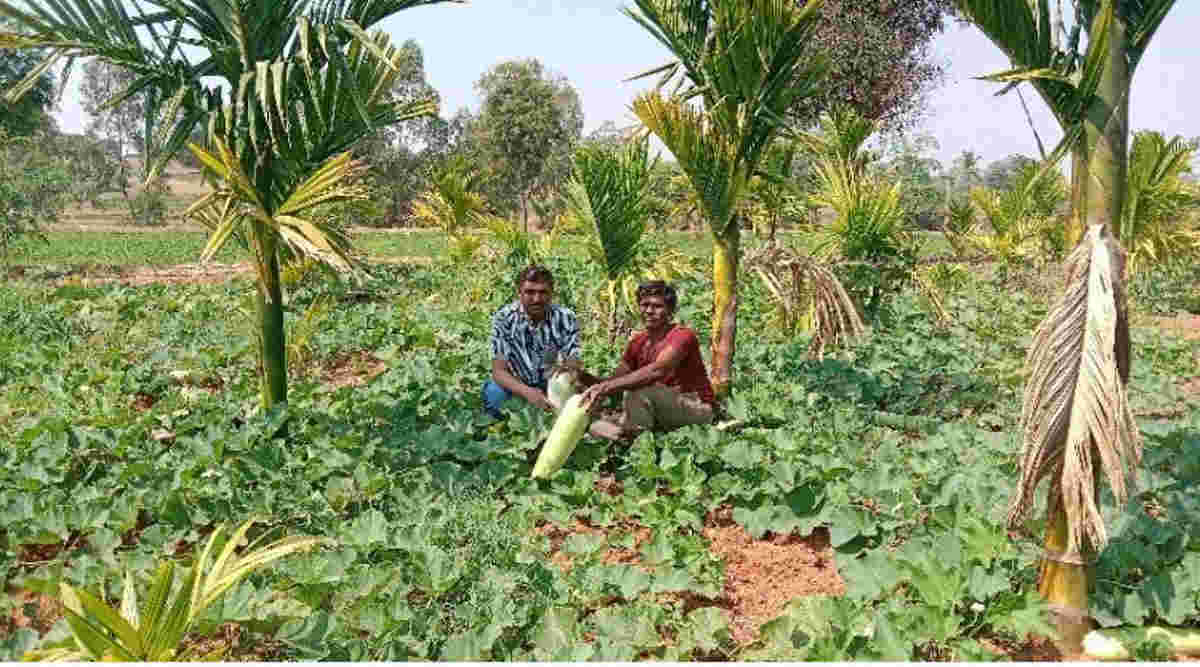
(493, 397)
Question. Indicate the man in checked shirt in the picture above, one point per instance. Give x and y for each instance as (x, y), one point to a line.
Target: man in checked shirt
(527, 337)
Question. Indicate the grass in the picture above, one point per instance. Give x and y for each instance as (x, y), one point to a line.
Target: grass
(170, 246)
(150, 248)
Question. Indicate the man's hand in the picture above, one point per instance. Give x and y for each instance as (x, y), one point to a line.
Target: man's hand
(594, 393)
(537, 398)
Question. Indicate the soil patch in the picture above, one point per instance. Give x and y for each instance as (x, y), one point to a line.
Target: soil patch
(30, 610)
(352, 370)
(230, 642)
(1184, 326)
(200, 274)
(763, 575)
(581, 526)
(143, 401)
(1191, 388)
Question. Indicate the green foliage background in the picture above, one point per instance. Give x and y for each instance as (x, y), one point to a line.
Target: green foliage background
(902, 447)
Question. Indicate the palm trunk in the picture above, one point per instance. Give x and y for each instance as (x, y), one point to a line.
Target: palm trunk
(726, 253)
(1063, 585)
(1107, 131)
(270, 322)
(1078, 213)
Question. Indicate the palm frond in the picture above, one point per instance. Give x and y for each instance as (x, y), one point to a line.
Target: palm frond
(153, 630)
(1144, 17)
(1158, 200)
(1076, 416)
(298, 221)
(704, 153)
(609, 192)
(808, 295)
(743, 63)
(1065, 79)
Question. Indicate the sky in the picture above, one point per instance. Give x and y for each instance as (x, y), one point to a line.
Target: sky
(596, 47)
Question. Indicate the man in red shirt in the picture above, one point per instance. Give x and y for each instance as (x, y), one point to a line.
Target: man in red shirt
(661, 373)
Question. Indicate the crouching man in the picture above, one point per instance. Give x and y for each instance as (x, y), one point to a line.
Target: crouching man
(528, 335)
(662, 374)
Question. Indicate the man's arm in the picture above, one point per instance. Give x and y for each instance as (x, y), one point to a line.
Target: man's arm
(500, 372)
(588, 379)
(506, 379)
(666, 362)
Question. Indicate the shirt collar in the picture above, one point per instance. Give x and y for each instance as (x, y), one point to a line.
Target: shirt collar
(524, 316)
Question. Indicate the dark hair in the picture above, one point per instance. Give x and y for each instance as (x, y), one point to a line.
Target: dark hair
(535, 274)
(659, 288)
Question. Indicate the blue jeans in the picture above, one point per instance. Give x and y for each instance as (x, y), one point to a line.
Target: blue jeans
(494, 396)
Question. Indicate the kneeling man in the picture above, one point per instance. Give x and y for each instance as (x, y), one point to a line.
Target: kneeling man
(528, 336)
(662, 374)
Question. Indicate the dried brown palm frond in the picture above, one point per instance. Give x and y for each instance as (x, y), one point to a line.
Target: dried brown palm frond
(931, 295)
(1076, 415)
(808, 294)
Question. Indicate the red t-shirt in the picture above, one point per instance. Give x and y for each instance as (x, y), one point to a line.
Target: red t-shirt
(689, 376)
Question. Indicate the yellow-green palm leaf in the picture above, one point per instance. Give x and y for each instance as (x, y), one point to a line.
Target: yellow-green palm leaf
(705, 153)
(235, 209)
(153, 630)
(1159, 220)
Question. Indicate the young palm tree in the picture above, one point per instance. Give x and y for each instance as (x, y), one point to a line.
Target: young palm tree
(743, 61)
(453, 200)
(1086, 86)
(1076, 417)
(1159, 204)
(609, 194)
(1018, 217)
(868, 232)
(285, 88)
(775, 188)
(451, 204)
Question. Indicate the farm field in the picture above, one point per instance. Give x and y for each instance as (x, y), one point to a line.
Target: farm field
(854, 511)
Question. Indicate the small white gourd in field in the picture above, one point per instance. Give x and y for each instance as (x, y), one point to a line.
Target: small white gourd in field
(1110, 645)
(568, 429)
(559, 389)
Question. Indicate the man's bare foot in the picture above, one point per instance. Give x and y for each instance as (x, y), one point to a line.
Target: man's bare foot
(603, 428)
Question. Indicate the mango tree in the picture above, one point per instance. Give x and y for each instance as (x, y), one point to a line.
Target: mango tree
(1076, 416)
(744, 61)
(285, 88)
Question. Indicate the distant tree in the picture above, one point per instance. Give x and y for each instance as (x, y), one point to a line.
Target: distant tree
(880, 62)
(528, 123)
(30, 113)
(908, 161)
(119, 127)
(609, 134)
(1001, 174)
(965, 170)
(119, 121)
(89, 164)
(34, 184)
(402, 157)
(672, 196)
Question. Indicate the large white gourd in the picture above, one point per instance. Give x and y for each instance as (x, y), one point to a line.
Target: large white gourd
(568, 429)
